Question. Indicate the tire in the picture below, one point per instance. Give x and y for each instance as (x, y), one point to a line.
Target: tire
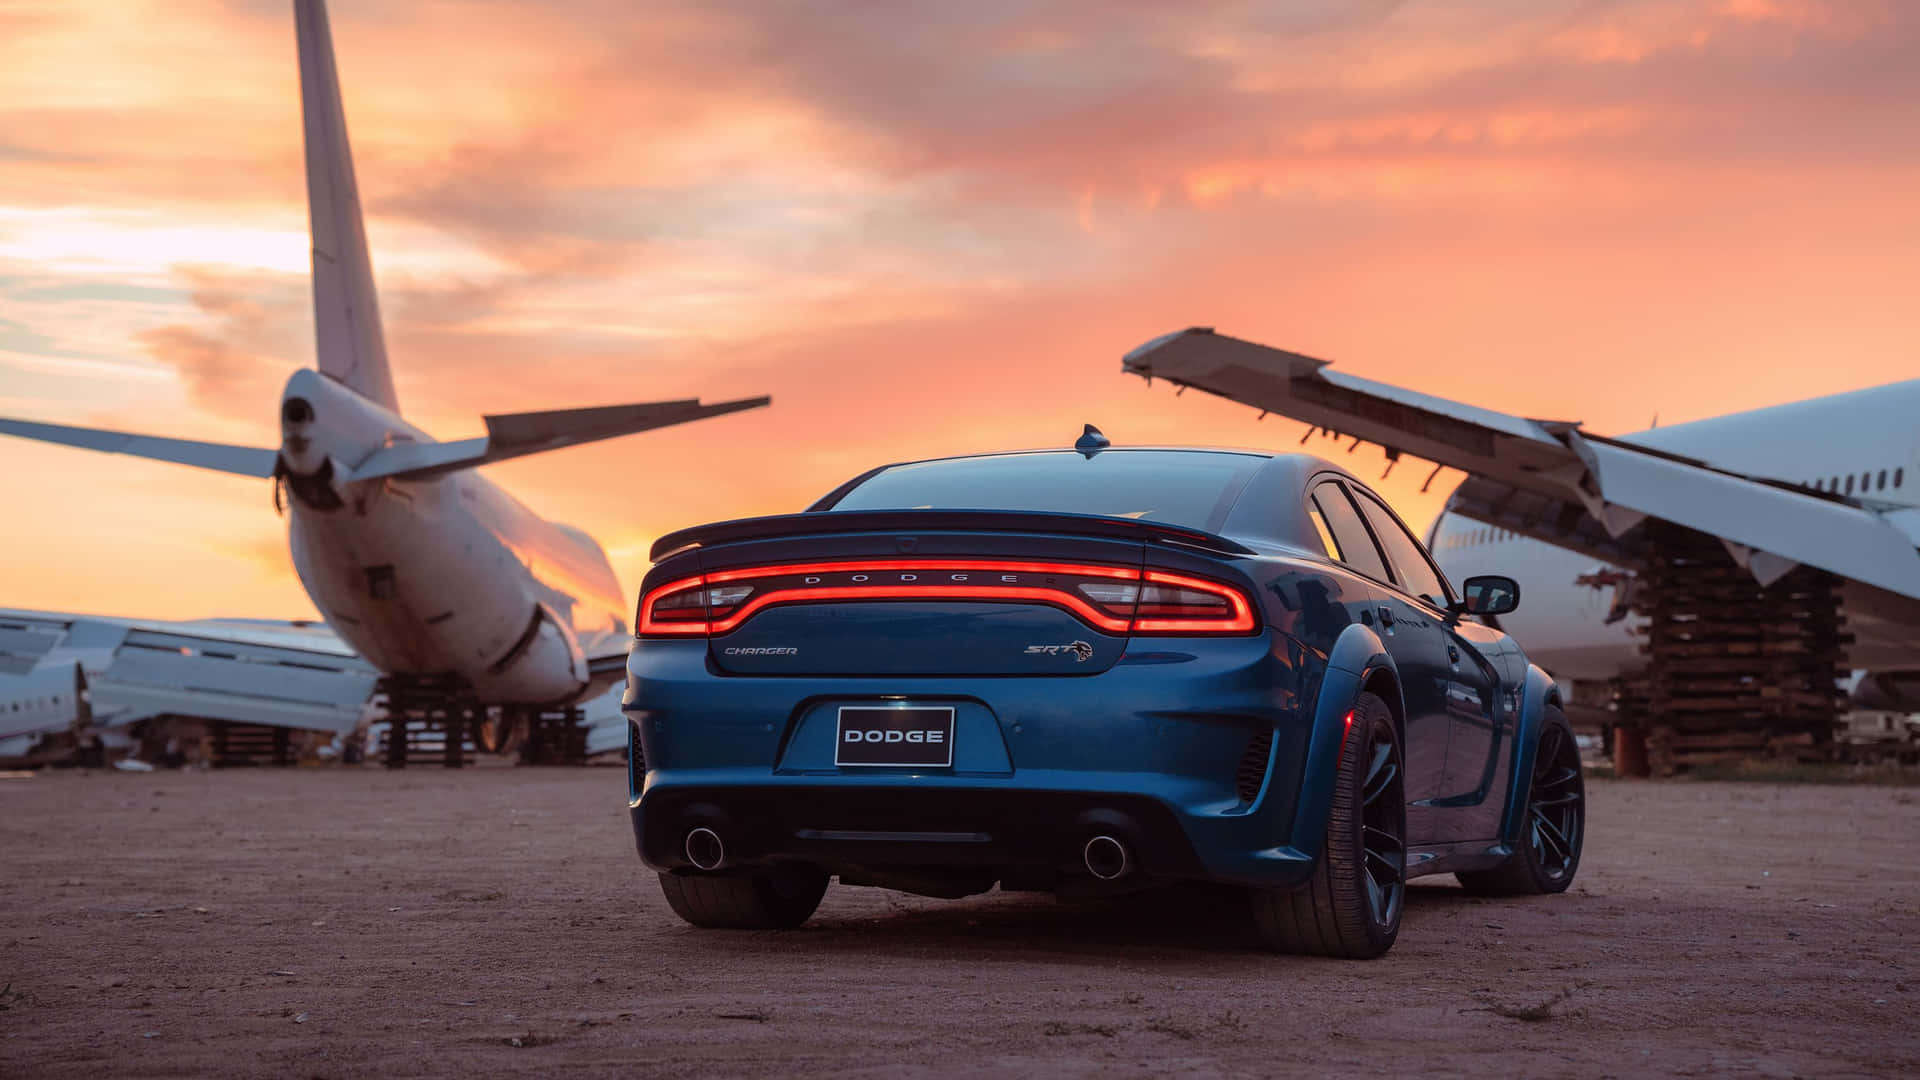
(1351, 905)
(780, 900)
(1555, 824)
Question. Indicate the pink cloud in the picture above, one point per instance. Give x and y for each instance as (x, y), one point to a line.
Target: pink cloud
(934, 229)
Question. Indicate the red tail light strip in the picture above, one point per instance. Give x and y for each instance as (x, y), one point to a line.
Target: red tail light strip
(1054, 597)
(893, 565)
(1239, 621)
(648, 624)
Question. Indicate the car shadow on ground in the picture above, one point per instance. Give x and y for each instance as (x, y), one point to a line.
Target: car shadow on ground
(1168, 923)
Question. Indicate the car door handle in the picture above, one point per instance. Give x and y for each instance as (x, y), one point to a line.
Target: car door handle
(1386, 616)
(1453, 653)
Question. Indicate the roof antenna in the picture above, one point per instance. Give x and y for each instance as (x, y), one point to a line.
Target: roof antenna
(1092, 442)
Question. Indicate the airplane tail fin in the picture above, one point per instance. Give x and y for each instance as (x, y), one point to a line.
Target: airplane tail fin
(346, 314)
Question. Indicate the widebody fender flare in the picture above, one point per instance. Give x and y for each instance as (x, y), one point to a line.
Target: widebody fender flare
(1358, 657)
(1537, 691)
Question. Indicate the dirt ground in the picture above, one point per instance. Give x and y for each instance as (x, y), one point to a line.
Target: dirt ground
(363, 923)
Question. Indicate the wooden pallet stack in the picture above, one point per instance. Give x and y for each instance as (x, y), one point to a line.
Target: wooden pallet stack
(251, 744)
(1736, 670)
(429, 719)
(555, 737)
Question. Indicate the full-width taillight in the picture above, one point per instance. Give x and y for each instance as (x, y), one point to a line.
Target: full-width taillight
(1116, 599)
(1178, 604)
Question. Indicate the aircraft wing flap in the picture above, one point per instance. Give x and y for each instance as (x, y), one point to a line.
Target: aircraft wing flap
(1907, 521)
(22, 646)
(1560, 520)
(1848, 540)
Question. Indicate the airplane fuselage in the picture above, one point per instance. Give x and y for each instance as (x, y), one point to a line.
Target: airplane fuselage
(36, 703)
(449, 574)
(1864, 444)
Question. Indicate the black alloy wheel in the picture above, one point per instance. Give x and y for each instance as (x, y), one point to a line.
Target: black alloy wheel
(1555, 824)
(1351, 906)
(1383, 833)
(1557, 804)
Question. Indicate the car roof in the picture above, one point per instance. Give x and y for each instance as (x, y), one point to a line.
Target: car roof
(1285, 475)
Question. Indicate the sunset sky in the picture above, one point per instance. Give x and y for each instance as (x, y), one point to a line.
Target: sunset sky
(924, 228)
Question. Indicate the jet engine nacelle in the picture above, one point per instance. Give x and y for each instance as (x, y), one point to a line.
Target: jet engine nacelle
(545, 665)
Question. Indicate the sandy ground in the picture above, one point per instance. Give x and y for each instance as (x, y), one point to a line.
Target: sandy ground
(362, 923)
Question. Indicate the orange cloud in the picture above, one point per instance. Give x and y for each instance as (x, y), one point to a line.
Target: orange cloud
(924, 230)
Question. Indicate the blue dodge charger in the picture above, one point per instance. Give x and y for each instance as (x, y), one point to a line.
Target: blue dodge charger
(1085, 671)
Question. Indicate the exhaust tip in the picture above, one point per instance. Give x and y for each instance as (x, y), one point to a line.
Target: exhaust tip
(704, 848)
(1106, 858)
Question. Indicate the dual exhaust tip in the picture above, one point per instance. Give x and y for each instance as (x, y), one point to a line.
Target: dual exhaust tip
(704, 848)
(1105, 857)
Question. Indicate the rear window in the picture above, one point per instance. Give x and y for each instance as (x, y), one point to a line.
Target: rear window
(1194, 488)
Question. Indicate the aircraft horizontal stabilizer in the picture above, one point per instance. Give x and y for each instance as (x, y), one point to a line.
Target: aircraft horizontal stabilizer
(513, 435)
(1553, 464)
(243, 460)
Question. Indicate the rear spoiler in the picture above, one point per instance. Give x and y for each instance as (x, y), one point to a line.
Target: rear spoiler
(829, 522)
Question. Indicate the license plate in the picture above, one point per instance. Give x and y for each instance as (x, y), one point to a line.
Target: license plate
(919, 735)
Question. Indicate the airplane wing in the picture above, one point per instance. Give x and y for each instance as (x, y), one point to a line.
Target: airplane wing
(1555, 469)
(513, 435)
(244, 460)
(293, 675)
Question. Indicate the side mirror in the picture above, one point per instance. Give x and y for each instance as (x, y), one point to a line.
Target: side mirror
(1488, 594)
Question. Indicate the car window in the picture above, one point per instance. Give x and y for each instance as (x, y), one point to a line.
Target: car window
(1354, 546)
(1320, 526)
(1194, 488)
(1412, 569)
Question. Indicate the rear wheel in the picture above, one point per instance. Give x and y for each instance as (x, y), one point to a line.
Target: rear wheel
(779, 900)
(1351, 905)
(1555, 823)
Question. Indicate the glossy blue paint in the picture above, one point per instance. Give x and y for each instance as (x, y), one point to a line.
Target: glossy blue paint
(1148, 736)
(1172, 732)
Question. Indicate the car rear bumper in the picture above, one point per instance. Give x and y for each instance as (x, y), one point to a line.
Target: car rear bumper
(1154, 752)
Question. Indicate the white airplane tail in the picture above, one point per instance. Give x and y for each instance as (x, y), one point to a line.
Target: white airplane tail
(346, 313)
(351, 350)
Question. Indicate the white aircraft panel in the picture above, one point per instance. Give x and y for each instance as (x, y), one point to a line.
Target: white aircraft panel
(142, 700)
(21, 646)
(216, 673)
